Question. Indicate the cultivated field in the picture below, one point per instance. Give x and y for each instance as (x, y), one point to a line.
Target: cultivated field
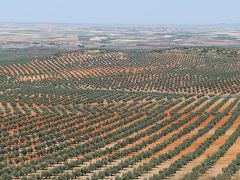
(101, 114)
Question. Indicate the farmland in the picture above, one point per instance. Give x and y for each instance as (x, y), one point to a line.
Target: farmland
(121, 114)
(70, 36)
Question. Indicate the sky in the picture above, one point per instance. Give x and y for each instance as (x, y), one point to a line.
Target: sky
(121, 11)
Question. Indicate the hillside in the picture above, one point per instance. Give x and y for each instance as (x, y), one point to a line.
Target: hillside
(121, 114)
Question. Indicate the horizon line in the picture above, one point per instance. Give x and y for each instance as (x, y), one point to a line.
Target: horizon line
(119, 24)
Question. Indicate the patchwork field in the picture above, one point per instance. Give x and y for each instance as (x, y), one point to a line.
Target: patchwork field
(108, 114)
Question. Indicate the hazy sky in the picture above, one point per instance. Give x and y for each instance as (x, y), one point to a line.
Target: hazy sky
(121, 11)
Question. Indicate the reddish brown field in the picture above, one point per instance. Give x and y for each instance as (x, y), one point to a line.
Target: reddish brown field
(169, 114)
